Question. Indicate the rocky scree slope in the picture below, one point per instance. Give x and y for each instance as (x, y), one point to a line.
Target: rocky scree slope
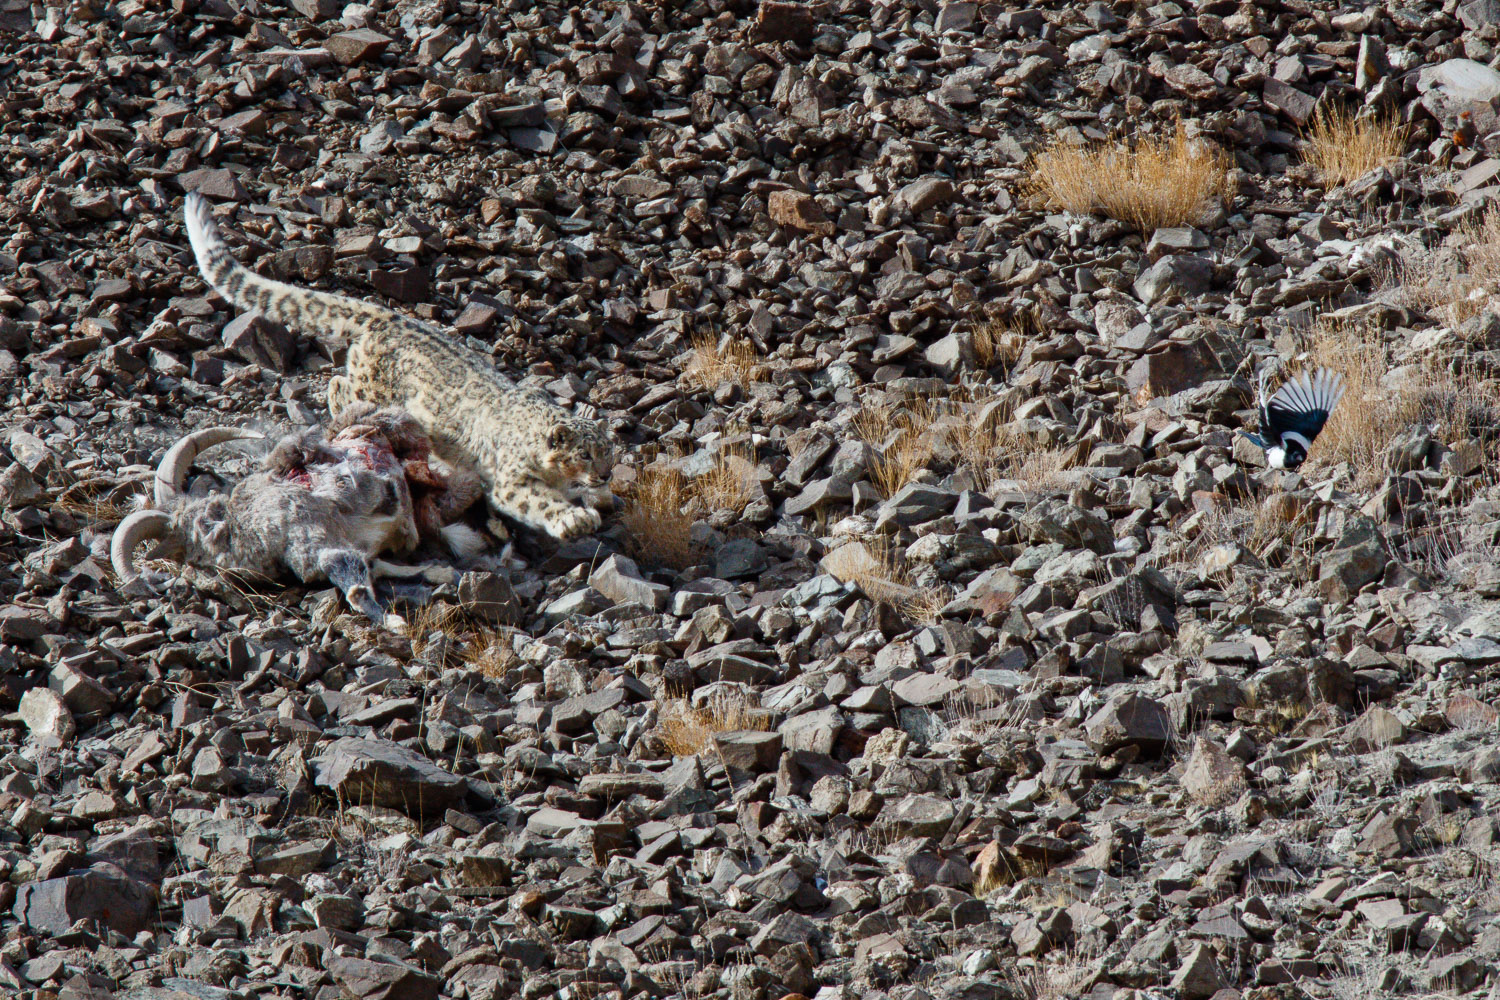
(1104, 711)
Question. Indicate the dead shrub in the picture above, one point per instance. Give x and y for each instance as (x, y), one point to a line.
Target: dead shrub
(95, 501)
(962, 431)
(687, 731)
(993, 447)
(1459, 281)
(720, 360)
(1458, 405)
(998, 867)
(872, 566)
(654, 515)
(1149, 183)
(433, 618)
(898, 435)
(491, 653)
(732, 482)
(1001, 342)
(880, 574)
(1344, 146)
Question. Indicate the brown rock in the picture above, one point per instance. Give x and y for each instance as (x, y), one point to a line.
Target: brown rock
(798, 210)
(352, 47)
(778, 21)
(102, 892)
(1211, 776)
(367, 980)
(1464, 711)
(214, 182)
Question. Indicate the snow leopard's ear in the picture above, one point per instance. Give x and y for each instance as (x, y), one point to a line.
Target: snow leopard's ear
(562, 437)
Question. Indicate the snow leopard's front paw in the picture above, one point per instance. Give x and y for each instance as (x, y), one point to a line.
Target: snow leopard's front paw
(574, 522)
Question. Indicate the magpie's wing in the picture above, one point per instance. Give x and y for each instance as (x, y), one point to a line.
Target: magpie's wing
(1303, 404)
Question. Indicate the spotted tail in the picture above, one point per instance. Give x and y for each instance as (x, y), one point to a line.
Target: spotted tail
(296, 308)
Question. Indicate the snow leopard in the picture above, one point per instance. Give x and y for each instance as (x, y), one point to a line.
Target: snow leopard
(529, 451)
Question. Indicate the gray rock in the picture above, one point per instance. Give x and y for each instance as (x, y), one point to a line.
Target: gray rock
(382, 773)
(366, 980)
(748, 750)
(927, 192)
(101, 892)
(1129, 719)
(918, 816)
(46, 716)
(1185, 275)
(739, 558)
(1061, 522)
(260, 341)
(1198, 978)
(1211, 776)
(380, 138)
(490, 598)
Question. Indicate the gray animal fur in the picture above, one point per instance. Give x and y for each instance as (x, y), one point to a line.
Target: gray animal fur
(321, 508)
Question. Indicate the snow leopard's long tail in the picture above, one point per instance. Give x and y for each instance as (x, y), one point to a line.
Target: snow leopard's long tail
(305, 309)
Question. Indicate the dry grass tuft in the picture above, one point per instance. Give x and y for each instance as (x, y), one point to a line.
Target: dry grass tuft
(873, 567)
(1344, 146)
(731, 483)
(654, 516)
(1368, 416)
(433, 617)
(975, 434)
(726, 359)
(997, 867)
(1455, 291)
(1457, 405)
(1150, 183)
(687, 731)
(926, 606)
(1002, 342)
(491, 653)
(94, 510)
(95, 501)
(879, 573)
(899, 436)
(992, 446)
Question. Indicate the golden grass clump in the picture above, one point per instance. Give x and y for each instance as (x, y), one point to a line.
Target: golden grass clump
(1368, 416)
(1149, 183)
(873, 567)
(433, 617)
(97, 501)
(1455, 291)
(997, 867)
(999, 342)
(732, 482)
(992, 446)
(687, 731)
(976, 434)
(720, 360)
(1343, 146)
(899, 436)
(1457, 405)
(491, 653)
(880, 574)
(654, 515)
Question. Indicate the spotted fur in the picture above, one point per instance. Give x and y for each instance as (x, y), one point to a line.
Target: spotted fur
(528, 451)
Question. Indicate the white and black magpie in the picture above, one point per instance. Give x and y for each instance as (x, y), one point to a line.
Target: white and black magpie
(1291, 419)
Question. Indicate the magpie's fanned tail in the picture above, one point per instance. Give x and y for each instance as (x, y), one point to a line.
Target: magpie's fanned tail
(1302, 406)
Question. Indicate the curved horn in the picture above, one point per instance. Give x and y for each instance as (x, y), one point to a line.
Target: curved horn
(135, 529)
(175, 463)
